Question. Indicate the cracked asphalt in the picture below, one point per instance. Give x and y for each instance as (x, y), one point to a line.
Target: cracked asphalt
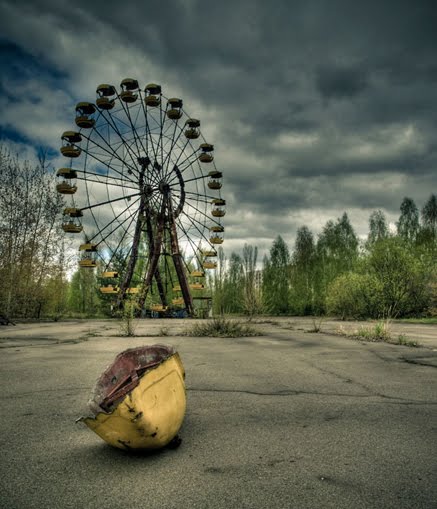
(289, 419)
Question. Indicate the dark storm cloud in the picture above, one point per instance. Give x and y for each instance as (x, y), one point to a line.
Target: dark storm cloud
(338, 83)
(312, 105)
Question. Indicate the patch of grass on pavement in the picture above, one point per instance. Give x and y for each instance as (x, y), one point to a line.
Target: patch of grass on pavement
(221, 327)
(381, 332)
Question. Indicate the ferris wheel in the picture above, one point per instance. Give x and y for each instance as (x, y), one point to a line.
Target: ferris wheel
(145, 190)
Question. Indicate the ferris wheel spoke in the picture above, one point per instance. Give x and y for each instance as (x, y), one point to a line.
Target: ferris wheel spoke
(189, 160)
(104, 163)
(118, 182)
(123, 142)
(111, 153)
(193, 246)
(110, 146)
(106, 202)
(174, 141)
(179, 172)
(149, 137)
(138, 143)
(120, 225)
(118, 247)
(202, 197)
(199, 226)
(162, 121)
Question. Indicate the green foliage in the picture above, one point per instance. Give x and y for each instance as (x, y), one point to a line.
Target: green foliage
(221, 327)
(402, 277)
(84, 295)
(429, 215)
(276, 278)
(252, 304)
(403, 340)
(302, 273)
(378, 229)
(235, 284)
(336, 253)
(408, 224)
(353, 295)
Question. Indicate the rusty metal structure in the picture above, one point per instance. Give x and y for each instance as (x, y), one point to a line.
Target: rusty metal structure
(144, 189)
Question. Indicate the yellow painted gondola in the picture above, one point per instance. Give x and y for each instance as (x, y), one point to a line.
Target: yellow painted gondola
(139, 402)
(112, 290)
(133, 290)
(89, 253)
(128, 86)
(215, 179)
(84, 112)
(105, 94)
(197, 273)
(216, 234)
(65, 188)
(218, 207)
(72, 227)
(192, 130)
(174, 110)
(209, 253)
(197, 286)
(71, 222)
(110, 274)
(178, 301)
(69, 147)
(206, 155)
(153, 95)
(66, 181)
(158, 307)
(87, 263)
(209, 265)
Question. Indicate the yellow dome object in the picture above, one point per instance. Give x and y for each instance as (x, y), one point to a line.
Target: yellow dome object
(139, 402)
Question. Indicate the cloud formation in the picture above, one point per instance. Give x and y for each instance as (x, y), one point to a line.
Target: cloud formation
(314, 108)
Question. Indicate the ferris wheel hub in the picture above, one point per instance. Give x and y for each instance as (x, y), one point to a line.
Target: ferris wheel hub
(164, 188)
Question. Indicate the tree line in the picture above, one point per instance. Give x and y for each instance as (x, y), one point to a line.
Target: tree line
(389, 274)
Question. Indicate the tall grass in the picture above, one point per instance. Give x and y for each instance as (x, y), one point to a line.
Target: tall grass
(221, 327)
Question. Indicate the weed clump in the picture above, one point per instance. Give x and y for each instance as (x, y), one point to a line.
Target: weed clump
(381, 332)
(128, 324)
(221, 327)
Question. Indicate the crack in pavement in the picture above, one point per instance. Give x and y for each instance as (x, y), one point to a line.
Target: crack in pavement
(313, 393)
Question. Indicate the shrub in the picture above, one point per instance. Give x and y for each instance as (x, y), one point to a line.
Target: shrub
(353, 295)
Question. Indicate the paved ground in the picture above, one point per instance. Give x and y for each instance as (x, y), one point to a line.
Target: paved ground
(289, 419)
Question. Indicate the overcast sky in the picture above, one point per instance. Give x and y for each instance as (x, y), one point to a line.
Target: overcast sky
(314, 108)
